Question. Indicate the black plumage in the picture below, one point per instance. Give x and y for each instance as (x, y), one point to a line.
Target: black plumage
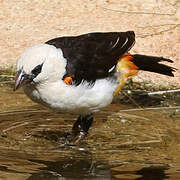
(91, 56)
(152, 64)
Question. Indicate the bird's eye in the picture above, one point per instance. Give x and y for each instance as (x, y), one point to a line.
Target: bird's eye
(37, 70)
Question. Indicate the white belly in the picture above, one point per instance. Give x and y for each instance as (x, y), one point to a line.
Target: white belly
(80, 99)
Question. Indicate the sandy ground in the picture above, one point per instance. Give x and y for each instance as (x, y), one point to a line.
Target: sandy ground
(155, 22)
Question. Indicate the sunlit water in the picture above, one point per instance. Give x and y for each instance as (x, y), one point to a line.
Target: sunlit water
(132, 145)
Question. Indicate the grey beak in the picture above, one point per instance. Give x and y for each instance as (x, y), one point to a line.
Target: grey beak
(21, 79)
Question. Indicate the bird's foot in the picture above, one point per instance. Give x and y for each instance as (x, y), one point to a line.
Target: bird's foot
(79, 131)
(72, 138)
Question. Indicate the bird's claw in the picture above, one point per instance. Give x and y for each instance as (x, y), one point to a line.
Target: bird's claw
(73, 138)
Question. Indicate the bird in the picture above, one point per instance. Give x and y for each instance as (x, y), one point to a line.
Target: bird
(82, 74)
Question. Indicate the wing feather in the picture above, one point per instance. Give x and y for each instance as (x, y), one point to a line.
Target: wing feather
(91, 56)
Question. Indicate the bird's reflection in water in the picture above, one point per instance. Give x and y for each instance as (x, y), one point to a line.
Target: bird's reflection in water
(72, 169)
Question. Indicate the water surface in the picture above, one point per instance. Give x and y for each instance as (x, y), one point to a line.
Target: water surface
(131, 145)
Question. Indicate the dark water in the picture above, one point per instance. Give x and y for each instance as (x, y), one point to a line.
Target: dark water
(125, 145)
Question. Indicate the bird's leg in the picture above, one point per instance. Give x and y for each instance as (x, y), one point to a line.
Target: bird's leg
(80, 128)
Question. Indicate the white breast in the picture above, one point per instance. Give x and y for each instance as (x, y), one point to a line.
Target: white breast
(80, 99)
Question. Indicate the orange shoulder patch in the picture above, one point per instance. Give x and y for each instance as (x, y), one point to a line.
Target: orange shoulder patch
(69, 80)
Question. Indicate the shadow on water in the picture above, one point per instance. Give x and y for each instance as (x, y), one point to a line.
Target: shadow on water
(150, 173)
(128, 145)
(146, 173)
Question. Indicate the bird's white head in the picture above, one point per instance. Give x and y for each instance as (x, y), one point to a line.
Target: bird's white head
(38, 64)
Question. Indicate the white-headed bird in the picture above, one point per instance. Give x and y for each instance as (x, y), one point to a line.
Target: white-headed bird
(82, 74)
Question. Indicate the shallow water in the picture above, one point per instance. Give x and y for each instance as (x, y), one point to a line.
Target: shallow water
(128, 145)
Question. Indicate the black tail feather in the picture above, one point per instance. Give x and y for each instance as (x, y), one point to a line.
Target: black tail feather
(151, 63)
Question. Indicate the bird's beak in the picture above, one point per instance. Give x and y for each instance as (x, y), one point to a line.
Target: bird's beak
(21, 79)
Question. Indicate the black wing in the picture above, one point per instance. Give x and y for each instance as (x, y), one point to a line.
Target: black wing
(91, 56)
